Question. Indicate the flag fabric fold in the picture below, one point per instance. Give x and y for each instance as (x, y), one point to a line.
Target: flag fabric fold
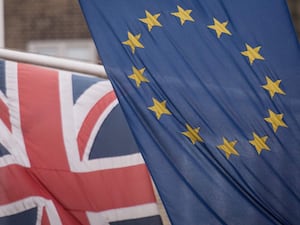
(210, 91)
(67, 155)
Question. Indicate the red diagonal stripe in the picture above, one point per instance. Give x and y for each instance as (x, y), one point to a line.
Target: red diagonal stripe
(45, 219)
(4, 114)
(41, 116)
(91, 119)
(78, 192)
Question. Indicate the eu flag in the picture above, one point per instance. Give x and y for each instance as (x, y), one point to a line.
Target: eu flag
(210, 89)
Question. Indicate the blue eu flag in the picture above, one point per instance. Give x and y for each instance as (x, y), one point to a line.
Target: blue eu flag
(211, 91)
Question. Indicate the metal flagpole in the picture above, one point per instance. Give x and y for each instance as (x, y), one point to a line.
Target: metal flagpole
(54, 62)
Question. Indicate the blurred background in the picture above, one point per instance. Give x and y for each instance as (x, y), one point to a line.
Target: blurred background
(57, 28)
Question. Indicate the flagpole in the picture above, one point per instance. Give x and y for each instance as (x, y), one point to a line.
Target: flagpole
(2, 30)
(54, 62)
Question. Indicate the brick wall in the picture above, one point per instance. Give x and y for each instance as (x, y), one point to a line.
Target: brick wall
(27, 20)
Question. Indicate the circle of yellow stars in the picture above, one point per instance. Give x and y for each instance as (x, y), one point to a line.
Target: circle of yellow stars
(252, 53)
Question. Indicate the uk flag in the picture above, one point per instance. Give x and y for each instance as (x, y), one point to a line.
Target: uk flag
(66, 153)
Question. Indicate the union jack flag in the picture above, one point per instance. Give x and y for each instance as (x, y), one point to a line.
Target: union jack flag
(66, 153)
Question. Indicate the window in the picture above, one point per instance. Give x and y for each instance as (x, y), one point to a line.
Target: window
(83, 50)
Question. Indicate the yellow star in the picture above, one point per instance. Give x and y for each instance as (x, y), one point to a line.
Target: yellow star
(133, 41)
(138, 76)
(273, 87)
(192, 134)
(183, 15)
(219, 27)
(259, 143)
(159, 108)
(151, 20)
(228, 148)
(252, 53)
(275, 120)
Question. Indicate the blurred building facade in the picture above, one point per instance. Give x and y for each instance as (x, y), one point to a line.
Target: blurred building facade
(57, 28)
